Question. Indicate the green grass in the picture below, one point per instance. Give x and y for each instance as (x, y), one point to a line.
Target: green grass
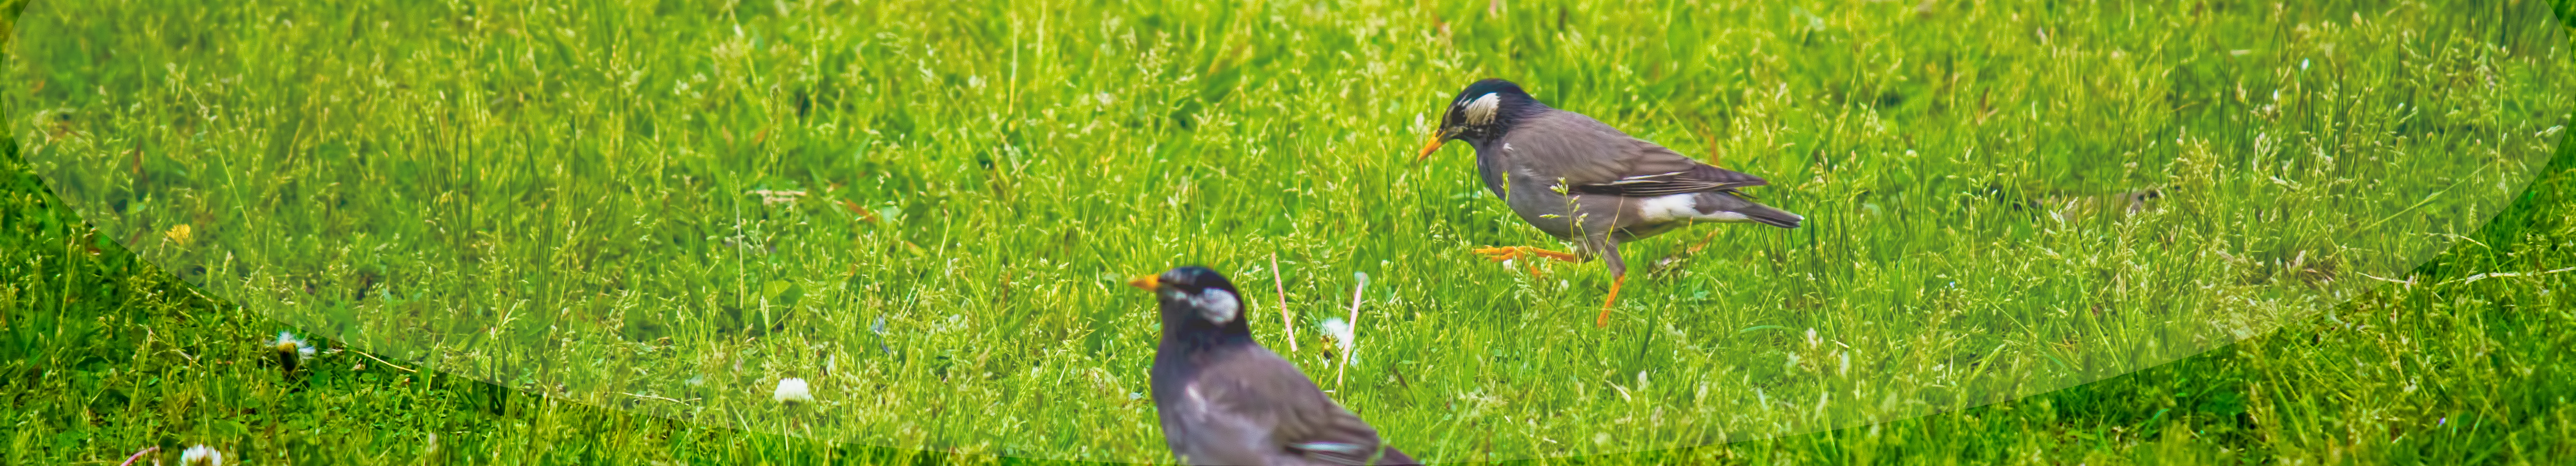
(545, 211)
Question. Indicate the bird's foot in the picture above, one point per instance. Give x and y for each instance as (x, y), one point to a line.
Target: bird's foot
(1505, 253)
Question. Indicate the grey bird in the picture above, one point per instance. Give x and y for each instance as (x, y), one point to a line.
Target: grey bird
(1587, 183)
(1225, 399)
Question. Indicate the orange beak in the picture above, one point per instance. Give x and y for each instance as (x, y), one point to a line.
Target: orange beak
(1430, 147)
(1146, 282)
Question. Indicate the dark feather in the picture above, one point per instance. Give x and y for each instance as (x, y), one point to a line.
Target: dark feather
(1697, 179)
(1593, 158)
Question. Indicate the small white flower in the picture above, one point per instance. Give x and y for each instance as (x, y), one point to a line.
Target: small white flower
(201, 455)
(288, 343)
(791, 390)
(291, 351)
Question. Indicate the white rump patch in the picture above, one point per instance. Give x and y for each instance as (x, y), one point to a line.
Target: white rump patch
(1217, 305)
(1669, 207)
(1684, 206)
(1480, 112)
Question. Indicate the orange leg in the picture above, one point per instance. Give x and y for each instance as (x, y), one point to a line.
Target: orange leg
(1604, 320)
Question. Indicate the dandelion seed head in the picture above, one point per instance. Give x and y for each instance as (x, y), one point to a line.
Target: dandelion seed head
(1339, 331)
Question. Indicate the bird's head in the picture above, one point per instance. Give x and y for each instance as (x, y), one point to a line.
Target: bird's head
(1480, 112)
(1196, 302)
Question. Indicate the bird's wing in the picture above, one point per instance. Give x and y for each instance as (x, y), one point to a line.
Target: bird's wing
(1205, 426)
(1305, 427)
(1593, 158)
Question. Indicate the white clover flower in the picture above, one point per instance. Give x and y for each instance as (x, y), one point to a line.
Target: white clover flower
(791, 391)
(201, 455)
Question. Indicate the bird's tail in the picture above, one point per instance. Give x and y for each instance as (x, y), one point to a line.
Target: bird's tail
(1770, 216)
(1731, 202)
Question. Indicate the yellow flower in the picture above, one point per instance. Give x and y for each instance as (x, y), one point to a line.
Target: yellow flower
(181, 234)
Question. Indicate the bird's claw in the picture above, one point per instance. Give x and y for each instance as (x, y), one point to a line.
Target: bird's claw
(1504, 253)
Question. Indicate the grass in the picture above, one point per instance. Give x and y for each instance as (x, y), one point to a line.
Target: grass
(548, 221)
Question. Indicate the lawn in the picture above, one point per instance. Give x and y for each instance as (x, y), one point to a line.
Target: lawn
(601, 231)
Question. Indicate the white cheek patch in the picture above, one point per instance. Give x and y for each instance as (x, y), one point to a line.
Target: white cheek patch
(1217, 305)
(1480, 112)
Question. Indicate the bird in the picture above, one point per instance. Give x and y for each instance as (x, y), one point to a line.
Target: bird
(1224, 399)
(1587, 183)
